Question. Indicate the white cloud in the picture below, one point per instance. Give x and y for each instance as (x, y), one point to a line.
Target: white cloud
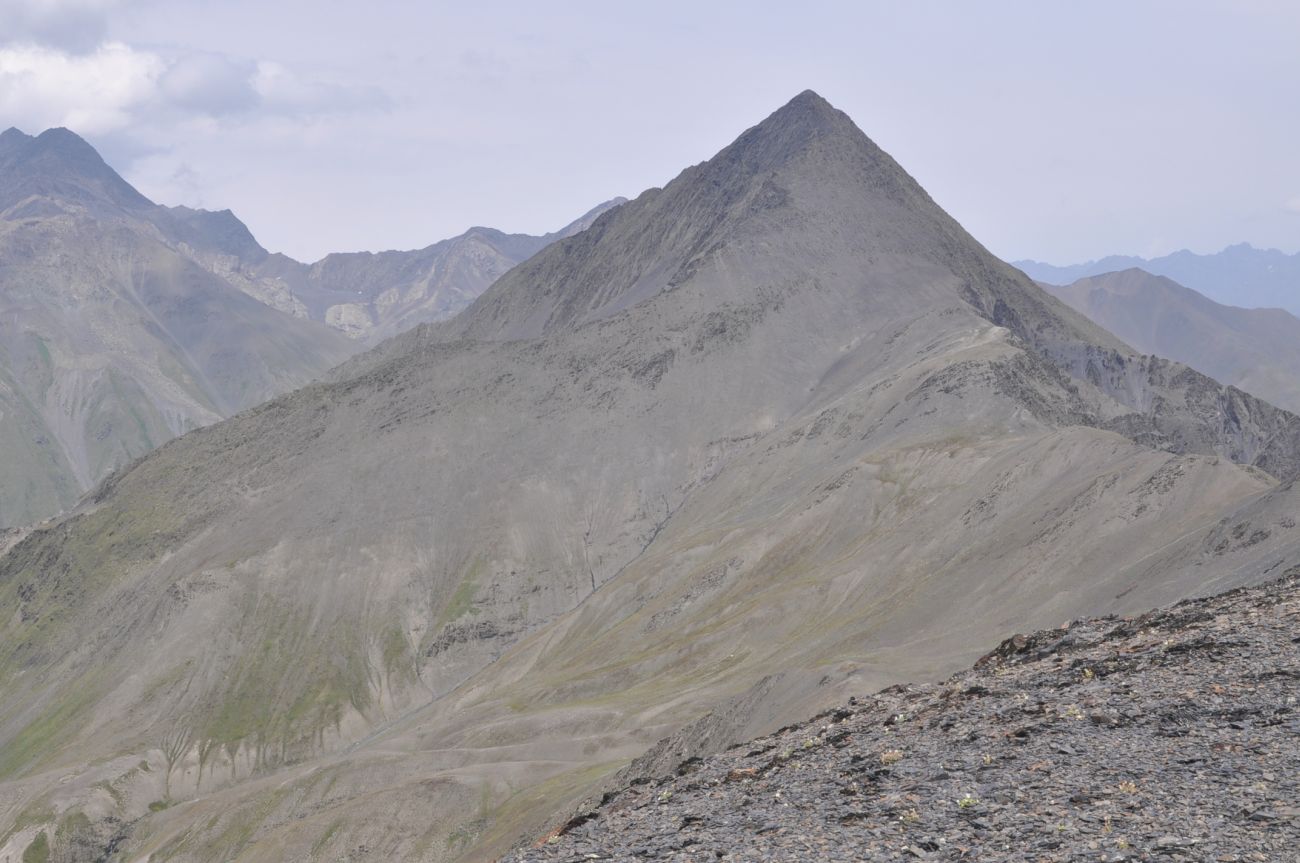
(116, 86)
(1293, 205)
(91, 93)
(211, 84)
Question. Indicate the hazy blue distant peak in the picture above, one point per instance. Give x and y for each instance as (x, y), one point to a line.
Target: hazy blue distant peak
(1239, 275)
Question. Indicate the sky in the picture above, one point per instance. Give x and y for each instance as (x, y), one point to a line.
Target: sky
(1052, 130)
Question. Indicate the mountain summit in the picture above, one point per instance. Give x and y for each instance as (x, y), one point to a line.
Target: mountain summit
(774, 434)
(58, 166)
(805, 170)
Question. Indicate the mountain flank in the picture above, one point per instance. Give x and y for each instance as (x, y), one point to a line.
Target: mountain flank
(1165, 736)
(124, 323)
(777, 434)
(111, 340)
(1256, 350)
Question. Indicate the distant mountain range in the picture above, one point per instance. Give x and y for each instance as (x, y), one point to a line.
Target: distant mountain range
(372, 296)
(124, 323)
(1240, 275)
(1257, 350)
(112, 339)
(776, 433)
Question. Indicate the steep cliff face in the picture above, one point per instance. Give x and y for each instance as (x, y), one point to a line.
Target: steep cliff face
(775, 433)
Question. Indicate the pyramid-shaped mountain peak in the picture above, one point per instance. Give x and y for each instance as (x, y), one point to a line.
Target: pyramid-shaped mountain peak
(60, 164)
(809, 109)
(67, 141)
(805, 122)
(11, 141)
(805, 185)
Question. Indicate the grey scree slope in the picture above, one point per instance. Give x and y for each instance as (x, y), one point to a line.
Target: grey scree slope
(1169, 736)
(776, 433)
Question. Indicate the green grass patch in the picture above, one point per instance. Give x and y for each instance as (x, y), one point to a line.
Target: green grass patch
(34, 815)
(71, 824)
(462, 601)
(242, 826)
(292, 682)
(39, 850)
(43, 736)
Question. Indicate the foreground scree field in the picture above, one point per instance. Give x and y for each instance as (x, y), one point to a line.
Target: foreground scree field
(1169, 736)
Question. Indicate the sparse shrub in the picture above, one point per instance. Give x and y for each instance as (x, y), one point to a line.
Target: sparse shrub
(891, 756)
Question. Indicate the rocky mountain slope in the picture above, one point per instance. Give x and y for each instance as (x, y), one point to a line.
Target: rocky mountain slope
(112, 342)
(777, 433)
(1257, 350)
(1167, 736)
(121, 329)
(1240, 275)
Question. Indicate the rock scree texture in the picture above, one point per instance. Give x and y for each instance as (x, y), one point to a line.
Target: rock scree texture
(1169, 736)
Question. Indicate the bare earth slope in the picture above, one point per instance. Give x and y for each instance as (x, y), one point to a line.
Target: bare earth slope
(773, 434)
(1257, 350)
(1169, 736)
(111, 341)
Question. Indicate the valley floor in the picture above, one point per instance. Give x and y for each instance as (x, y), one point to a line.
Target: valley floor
(1171, 736)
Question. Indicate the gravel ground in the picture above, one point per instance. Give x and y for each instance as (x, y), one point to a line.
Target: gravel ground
(1172, 736)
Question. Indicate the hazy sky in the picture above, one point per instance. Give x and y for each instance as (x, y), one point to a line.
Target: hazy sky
(1059, 131)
